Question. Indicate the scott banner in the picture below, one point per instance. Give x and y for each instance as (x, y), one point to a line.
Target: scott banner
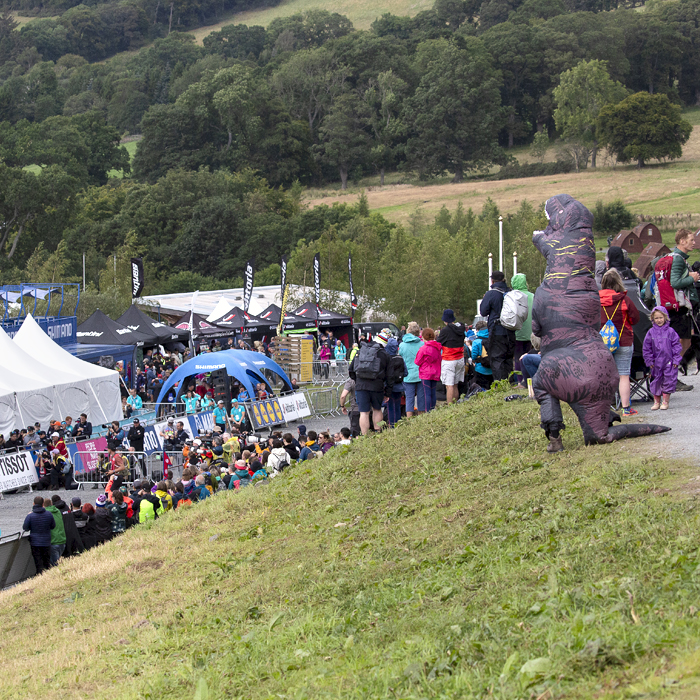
(17, 469)
(137, 282)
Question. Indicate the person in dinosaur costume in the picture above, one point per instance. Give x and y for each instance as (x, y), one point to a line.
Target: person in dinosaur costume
(576, 366)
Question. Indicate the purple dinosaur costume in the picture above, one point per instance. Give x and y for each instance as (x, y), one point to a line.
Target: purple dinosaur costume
(576, 366)
(662, 352)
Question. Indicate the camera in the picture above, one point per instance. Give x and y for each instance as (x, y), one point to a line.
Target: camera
(106, 426)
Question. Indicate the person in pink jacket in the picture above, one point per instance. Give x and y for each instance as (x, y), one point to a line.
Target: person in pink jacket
(428, 359)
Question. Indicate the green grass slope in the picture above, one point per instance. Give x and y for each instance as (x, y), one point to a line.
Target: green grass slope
(360, 12)
(448, 558)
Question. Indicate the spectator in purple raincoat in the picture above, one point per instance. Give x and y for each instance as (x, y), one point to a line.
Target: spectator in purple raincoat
(662, 354)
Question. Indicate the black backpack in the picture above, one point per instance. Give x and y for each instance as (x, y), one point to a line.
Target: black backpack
(368, 364)
(394, 370)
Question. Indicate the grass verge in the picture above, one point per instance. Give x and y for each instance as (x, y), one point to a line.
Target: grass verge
(450, 557)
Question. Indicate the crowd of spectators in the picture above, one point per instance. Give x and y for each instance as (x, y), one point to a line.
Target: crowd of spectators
(57, 529)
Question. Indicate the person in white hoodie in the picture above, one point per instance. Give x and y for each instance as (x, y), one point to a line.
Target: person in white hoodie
(278, 459)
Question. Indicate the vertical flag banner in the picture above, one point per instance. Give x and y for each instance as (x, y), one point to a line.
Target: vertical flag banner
(137, 282)
(317, 283)
(283, 276)
(249, 275)
(353, 298)
(192, 333)
(167, 466)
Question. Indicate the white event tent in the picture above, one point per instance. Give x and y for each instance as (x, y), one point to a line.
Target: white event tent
(39, 380)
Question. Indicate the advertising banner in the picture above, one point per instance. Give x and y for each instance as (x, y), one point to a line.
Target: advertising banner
(317, 282)
(248, 277)
(137, 282)
(17, 469)
(266, 413)
(84, 454)
(353, 298)
(294, 406)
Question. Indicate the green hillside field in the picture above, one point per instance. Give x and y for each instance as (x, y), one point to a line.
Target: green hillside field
(659, 190)
(361, 12)
(450, 557)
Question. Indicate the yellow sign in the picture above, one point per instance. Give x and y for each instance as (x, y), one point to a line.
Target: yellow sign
(268, 412)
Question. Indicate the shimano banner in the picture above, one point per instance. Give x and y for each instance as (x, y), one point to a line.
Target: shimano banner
(248, 277)
(137, 282)
(317, 282)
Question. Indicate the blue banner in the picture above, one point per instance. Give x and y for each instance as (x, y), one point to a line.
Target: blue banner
(61, 330)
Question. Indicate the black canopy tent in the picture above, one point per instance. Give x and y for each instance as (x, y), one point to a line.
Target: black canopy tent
(100, 329)
(326, 318)
(292, 322)
(202, 330)
(160, 333)
(238, 321)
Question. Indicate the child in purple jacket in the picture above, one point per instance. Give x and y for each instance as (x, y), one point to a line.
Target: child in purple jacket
(662, 354)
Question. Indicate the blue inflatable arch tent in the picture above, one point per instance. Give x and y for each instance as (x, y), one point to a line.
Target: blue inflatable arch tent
(243, 365)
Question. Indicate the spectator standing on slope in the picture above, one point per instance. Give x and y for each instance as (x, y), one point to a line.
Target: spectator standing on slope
(451, 338)
(501, 340)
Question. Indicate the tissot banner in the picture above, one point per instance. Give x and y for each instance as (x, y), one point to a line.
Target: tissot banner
(137, 282)
(283, 280)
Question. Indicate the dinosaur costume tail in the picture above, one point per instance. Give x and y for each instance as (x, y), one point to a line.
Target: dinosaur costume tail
(631, 430)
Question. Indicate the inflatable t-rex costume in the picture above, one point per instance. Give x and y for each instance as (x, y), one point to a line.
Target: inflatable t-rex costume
(576, 366)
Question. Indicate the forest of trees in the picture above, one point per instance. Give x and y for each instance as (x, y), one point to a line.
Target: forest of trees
(233, 130)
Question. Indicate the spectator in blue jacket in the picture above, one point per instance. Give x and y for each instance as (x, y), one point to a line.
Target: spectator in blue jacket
(483, 375)
(411, 343)
(39, 524)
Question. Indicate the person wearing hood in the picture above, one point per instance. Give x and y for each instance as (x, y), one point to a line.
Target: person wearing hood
(103, 520)
(662, 354)
(395, 373)
(522, 336)
(429, 360)
(451, 337)
(615, 260)
(501, 340)
(74, 543)
(616, 307)
(58, 534)
(40, 523)
(278, 459)
(411, 343)
(483, 373)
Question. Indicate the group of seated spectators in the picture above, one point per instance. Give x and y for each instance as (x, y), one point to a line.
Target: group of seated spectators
(57, 529)
(33, 437)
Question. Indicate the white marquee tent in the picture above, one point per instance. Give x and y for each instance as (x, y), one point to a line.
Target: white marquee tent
(39, 380)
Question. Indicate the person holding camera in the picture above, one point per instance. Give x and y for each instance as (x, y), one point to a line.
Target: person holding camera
(115, 436)
(44, 466)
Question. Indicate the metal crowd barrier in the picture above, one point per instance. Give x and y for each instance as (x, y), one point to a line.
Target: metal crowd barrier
(323, 401)
(141, 466)
(317, 372)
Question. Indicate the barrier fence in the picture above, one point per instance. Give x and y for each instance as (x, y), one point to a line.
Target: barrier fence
(321, 372)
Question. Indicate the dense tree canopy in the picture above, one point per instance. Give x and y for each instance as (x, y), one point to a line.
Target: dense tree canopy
(230, 130)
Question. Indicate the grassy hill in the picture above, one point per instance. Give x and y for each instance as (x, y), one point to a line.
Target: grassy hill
(448, 558)
(361, 12)
(666, 189)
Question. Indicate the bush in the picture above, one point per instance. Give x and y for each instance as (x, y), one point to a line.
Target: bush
(611, 217)
(514, 170)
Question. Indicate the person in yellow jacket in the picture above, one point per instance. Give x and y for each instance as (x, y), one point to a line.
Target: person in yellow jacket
(165, 498)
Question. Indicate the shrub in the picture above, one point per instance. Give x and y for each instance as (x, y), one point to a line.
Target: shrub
(611, 217)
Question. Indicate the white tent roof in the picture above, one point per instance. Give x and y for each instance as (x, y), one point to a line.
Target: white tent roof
(103, 384)
(223, 306)
(71, 395)
(24, 401)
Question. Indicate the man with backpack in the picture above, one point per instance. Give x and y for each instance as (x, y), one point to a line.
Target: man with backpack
(501, 340)
(368, 369)
(451, 337)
